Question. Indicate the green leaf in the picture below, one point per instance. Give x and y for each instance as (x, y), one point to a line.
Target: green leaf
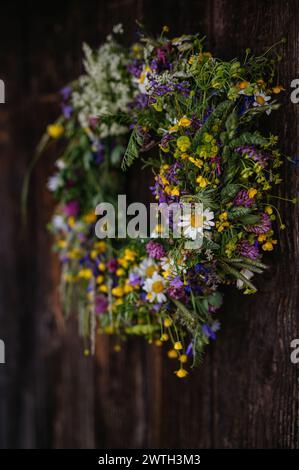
(215, 299)
(132, 151)
(116, 154)
(239, 212)
(220, 113)
(229, 192)
(248, 138)
(250, 219)
(142, 330)
(236, 274)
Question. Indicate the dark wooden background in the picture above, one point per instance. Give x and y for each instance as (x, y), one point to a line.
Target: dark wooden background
(246, 392)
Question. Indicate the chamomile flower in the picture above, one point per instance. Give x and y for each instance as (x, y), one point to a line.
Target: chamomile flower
(260, 99)
(147, 268)
(155, 288)
(194, 223)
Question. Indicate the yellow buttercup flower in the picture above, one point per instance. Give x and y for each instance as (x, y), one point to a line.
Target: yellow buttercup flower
(93, 254)
(223, 216)
(99, 279)
(89, 218)
(172, 354)
(117, 291)
(222, 226)
(123, 262)
(103, 288)
(62, 244)
(164, 337)
(55, 130)
(203, 182)
(100, 246)
(101, 266)
(71, 221)
(167, 322)
(277, 89)
(174, 128)
(85, 274)
(252, 192)
(243, 85)
(184, 122)
(178, 346)
(120, 272)
(268, 246)
(172, 191)
(268, 210)
(262, 237)
(196, 161)
(181, 373)
(183, 358)
(129, 255)
(128, 288)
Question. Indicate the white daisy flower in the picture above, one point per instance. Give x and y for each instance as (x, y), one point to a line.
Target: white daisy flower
(246, 273)
(260, 99)
(195, 223)
(147, 268)
(155, 287)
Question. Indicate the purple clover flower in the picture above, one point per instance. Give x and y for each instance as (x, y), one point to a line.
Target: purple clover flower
(263, 227)
(155, 250)
(244, 248)
(242, 199)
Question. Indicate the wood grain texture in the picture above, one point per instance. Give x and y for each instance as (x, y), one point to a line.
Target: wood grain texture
(246, 392)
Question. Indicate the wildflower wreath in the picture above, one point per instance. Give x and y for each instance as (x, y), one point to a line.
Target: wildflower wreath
(195, 121)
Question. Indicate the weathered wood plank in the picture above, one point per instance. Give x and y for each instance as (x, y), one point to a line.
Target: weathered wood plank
(246, 392)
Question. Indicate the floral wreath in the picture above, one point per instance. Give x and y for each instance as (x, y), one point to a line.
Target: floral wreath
(194, 119)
